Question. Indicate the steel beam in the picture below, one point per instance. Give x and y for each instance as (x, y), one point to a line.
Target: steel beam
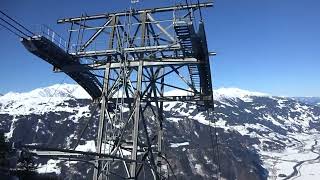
(102, 121)
(163, 30)
(126, 13)
(130, 64)
(104, 107)
(135, 131)
(109, 52)
(195, 98)
(136, 123)
(96, 34)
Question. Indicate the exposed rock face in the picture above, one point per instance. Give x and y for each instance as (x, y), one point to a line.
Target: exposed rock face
(259, 136)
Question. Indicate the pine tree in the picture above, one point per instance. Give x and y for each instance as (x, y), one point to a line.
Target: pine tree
(4, 150)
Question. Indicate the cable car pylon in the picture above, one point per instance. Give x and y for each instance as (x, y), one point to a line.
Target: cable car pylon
(128, 61)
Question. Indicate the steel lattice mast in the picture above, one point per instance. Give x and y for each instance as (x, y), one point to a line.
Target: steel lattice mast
(128, 61)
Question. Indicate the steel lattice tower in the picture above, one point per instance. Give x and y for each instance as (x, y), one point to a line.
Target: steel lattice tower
(128, 62)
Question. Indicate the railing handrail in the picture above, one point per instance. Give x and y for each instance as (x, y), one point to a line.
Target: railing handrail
(48, 33)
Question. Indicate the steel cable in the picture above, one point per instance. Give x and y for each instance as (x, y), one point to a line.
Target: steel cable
(17, 22)
(10, 30)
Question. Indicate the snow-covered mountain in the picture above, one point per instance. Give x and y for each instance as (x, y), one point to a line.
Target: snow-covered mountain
(259, 136)
(40, 100)
(309, 100)
(234, 93)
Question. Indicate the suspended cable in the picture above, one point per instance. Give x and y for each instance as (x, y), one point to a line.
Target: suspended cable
(216, 141)
(170, 167)
(16, 22)
(212, 141)
(10, 30)
(14, 27)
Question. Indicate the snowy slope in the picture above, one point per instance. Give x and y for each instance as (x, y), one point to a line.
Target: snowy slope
(40, 100)
(259, 135)
(287, 129)
(47, 99)
(309, 100)
(234, 93)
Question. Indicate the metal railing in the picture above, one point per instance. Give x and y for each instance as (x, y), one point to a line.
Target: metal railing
(48, 33)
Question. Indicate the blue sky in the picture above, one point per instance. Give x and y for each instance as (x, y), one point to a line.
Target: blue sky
(271, 46)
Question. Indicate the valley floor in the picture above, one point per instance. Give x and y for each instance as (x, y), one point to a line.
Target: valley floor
(301, 161)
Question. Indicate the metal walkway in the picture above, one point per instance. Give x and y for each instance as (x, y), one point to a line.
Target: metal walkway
(52, 53)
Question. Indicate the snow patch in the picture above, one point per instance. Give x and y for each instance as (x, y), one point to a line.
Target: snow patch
(50, 167)
(233, 93)
(175, 145)
(173, 119)
(89, 146)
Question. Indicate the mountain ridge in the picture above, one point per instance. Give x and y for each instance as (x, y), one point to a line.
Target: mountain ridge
(76, 91)
(259, 137)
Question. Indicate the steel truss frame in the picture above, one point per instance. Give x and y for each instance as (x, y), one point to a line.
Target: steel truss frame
(144, 54)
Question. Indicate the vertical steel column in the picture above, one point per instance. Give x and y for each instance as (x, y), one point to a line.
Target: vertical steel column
(138, 101)
(102, 120)
(136, 122)
(70, 37)
(104, 105)
(160, 130)
(160, 136)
